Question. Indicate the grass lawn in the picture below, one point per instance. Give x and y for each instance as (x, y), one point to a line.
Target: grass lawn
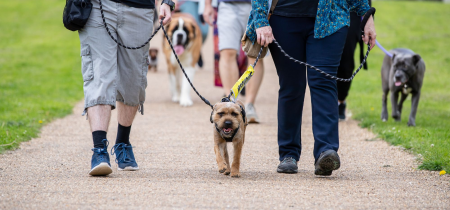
(423, 27)
(40, 76)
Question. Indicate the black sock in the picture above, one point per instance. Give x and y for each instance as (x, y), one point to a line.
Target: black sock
(123, 134)
(98, 137)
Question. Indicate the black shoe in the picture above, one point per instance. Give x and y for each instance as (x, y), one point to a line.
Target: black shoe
(288, 165)
(200, 61)
(327, 162)
(342, 107)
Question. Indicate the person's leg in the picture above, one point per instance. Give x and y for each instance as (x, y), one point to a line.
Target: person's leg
(131, 79)
(347, 64)
(325, 54)
(229, 42)
(290, 34)
(252, 89)
(228, 69)
(99, 69)
(191, 7)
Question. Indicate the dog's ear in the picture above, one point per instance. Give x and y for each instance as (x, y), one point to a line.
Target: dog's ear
(416, 58)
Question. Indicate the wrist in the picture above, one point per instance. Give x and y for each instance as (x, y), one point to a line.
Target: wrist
(169, 3)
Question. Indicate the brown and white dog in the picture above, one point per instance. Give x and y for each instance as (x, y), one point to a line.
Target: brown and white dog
(229, 122)
(186, 39)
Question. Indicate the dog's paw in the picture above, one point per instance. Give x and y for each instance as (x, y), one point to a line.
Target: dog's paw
(175, 98)
(396, 118)
(384, 119)
(222, 170)
(185, 101)
(411, 123)
(235, 175)
(227, 172)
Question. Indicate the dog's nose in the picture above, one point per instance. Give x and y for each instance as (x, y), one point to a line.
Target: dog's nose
(228, 123)
(180, 38)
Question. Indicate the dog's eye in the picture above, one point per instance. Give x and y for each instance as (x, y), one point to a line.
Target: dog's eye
(220, 114)
(234, 114)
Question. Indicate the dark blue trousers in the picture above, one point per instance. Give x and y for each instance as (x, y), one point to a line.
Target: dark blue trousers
(296, 37)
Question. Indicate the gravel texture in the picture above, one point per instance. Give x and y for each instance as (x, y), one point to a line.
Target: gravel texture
(174, 150)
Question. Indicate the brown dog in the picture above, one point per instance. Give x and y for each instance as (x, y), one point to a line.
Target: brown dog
(230, 123)
(152, 59)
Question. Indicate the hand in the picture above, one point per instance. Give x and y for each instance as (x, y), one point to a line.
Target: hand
(369, 33)
(208, 14)
(164, 12)
(264, 35)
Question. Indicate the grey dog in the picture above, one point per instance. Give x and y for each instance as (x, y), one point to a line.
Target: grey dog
(402, 74)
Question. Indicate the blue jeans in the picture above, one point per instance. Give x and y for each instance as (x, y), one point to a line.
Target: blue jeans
(192, 8)
(296, 37)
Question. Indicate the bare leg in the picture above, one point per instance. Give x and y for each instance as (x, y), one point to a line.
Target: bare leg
(254, 84)
(229, 72)
(126, 114)
(99, 117)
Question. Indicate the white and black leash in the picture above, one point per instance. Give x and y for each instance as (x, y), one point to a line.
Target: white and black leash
(315, 68)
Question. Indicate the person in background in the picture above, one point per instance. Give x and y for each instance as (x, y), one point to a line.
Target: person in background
(232, 19)
(313, 31)
(347, 65)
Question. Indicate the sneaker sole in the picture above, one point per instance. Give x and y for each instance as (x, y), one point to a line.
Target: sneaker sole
(252, 119)
(101, 169)
(287, 171)
(128, 168)
(327, 164)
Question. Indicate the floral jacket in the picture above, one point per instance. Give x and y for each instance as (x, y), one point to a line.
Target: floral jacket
(331, 16)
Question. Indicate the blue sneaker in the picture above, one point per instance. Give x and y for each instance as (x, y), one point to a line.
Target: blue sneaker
(100, 165)
(124, 157)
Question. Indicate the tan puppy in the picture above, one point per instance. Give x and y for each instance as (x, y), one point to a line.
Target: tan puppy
(186, 39)
(152, 59)
(230, 123)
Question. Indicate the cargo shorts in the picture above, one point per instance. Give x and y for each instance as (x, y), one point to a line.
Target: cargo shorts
(110, 72)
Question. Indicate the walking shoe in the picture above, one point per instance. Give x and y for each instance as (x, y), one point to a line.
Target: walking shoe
(342, 107)
(327, 162)
(250, 111)
(288, 165)
(100, 165)
(124, 157)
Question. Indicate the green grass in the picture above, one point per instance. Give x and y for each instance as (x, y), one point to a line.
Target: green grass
(423, 27)
(40, 76)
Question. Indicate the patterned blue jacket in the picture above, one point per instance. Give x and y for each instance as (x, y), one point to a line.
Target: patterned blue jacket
(331, 16)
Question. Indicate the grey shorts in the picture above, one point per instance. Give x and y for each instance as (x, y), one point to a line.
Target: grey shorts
(112, 73)
(232, 21)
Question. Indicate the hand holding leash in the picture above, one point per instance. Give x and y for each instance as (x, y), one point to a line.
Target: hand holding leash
(368, 33)
(165, 14)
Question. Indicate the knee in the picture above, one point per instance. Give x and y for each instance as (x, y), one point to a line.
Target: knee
(228, 54)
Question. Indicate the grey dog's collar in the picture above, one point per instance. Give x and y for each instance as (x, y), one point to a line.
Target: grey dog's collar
(227, 139)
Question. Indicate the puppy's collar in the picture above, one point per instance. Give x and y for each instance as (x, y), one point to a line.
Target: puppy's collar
(227, 139)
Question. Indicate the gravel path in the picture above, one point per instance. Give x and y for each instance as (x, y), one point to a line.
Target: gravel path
(174, 149)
